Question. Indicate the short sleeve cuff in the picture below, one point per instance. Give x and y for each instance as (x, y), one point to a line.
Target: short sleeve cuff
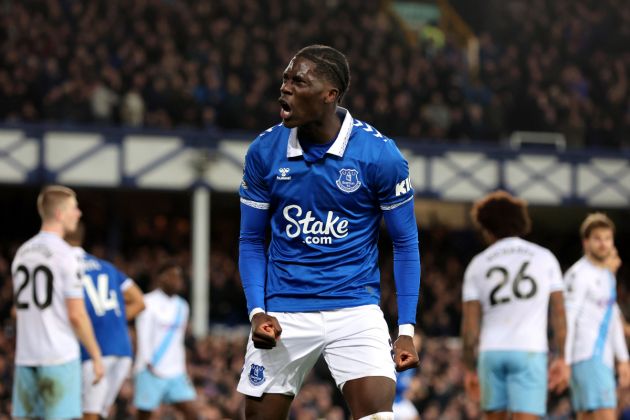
(467, 297)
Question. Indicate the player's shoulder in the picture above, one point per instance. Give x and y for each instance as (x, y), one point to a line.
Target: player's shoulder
(100, 264)
(474, 264)
(579, 269)
(368, 132)
(374, 145)
(539, 250)
(370, 138)
(268, 139)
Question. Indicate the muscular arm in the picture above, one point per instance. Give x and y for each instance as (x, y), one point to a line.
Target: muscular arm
(82, 326)
(471, 324)
(559, 321)
(134, 301)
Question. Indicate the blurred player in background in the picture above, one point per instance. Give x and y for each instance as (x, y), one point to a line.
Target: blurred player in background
(323, 181)
(160, 367)
(506, 293)
(111, 299)
(51, 315)
(595, 340)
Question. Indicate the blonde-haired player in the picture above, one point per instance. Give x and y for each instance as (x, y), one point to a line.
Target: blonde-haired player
(595, 339)
(50, 315)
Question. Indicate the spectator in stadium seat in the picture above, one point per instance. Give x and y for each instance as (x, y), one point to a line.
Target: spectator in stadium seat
(596, 343)
(323, 180)
(51, 315)
(160, 367)
(507, 289)
(111, 299)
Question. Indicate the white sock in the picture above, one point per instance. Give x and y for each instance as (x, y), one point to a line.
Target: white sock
(383, 415)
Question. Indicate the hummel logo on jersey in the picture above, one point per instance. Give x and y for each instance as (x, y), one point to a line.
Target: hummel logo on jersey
(316, 231)
(348, 180)
(403, 187)
(283, 174)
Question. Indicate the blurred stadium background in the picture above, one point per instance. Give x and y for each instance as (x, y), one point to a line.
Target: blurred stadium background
(147, 107)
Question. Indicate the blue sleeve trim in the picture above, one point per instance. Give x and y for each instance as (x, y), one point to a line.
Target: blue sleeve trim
(401, 225)
(252, 260)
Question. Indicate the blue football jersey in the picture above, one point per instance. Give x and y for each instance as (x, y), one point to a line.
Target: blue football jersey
(324, 214)
(105, 305)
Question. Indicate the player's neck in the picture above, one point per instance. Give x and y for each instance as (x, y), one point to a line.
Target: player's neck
(54, 228)
(595, 261)
(321, 132)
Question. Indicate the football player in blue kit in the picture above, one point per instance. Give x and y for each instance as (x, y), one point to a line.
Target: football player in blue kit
(111, 300)
(322, 181)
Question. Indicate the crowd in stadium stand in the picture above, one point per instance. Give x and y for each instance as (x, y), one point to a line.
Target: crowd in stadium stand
(560, 66)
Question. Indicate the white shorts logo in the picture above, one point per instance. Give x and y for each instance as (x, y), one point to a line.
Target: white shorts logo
(348, 180)
(317, 231)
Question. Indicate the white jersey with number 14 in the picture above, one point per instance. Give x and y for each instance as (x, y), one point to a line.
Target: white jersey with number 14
(512, 279)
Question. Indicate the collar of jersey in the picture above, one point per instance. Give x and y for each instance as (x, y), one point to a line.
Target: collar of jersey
(338, 147)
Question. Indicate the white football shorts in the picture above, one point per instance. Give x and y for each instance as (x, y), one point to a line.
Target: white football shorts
(98, 398)
(355, 343)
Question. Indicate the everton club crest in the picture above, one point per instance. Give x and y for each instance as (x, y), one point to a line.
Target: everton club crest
(348, 180)
(257, 375)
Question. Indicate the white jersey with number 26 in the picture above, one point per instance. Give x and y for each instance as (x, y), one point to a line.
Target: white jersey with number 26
(512, 279)
(45, 272)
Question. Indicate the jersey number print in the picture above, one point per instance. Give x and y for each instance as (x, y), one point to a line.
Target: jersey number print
(102, 298)
(523, 285)
(41, 271)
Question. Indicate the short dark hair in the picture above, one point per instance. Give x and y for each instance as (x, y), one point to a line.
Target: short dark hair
(502, 215)
(594, 221)
(331, 64)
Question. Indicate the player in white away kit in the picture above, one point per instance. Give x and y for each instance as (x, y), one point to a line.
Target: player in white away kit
(506, 293)
(160, 368)
(595, 334)
(50, 316)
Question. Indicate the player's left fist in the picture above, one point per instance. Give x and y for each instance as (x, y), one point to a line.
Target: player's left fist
(405, 354)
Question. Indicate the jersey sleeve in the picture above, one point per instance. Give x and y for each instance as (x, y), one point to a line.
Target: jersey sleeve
(470, 291)
(392, 178)
(71, 273)
(124, 281)
(254, 191)
(556, 283)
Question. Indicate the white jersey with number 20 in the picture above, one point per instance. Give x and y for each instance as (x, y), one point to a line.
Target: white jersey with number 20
(512, 279)
(45, 272)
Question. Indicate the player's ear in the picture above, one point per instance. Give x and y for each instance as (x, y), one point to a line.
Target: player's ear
(332, 95)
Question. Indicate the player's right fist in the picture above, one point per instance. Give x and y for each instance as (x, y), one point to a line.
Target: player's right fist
(265, 331)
